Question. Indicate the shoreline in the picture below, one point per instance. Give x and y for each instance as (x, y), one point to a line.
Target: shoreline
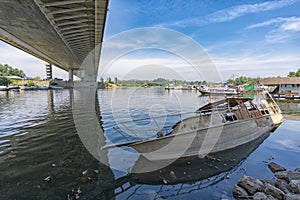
(285, 186)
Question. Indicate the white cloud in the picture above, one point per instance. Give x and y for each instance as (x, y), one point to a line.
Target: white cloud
(282, 28)
(231, 13)
(257, 65)
(267, 23)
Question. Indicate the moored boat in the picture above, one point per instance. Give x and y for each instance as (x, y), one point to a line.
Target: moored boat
(43, 88)
(3, 88)
(34, 87)
(218, 91)
(169, 87)
(13, 87)
(25, 87)
(216, 126)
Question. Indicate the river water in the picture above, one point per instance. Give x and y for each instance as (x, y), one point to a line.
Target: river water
(44, 155)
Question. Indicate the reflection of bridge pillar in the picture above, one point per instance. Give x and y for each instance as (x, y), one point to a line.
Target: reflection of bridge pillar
(71, 74)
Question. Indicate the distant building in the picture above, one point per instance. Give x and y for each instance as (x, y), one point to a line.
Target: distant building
(283, 84)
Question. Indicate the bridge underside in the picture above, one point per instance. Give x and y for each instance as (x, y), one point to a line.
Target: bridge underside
(60, 32)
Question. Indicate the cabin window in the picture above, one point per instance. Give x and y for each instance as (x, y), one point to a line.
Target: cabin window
(264, 112)
(230, 117)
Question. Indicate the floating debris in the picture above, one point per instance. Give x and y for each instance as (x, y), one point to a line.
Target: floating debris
(48, 179)
(84, 172)
(172, 175)
(53, 165)
(165, 181)
(96, 171)
(75, 194)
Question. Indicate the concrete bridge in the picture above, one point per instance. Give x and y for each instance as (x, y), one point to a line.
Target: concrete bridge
(60, 32)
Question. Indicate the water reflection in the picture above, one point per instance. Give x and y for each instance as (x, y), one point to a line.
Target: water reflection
(291, 108)
(39, 138)
(47, 147)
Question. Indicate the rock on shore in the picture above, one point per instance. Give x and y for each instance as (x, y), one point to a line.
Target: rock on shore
(286, 186)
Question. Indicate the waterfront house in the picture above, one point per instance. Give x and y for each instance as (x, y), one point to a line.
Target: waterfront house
(283, 85)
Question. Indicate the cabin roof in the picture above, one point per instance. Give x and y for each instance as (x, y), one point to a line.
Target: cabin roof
(231, 101)
(280, 80)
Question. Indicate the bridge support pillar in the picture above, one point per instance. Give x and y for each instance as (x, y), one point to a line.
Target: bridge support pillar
(71, 74)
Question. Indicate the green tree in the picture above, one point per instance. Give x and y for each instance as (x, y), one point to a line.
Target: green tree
(294, 74)
(4, 81)
(6, 70)
(37, 78)
(30, 83)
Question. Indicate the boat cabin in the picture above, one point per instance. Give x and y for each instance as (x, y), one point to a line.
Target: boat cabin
(226, 111)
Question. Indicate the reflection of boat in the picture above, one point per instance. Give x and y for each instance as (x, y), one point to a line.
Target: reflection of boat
(217, 126)
(218, 90)
(189, 170)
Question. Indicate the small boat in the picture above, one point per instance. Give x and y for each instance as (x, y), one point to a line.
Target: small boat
(3, 87)
(43, 88)
(216, 126)
(182, 87)
(217, 90)
(13, 87)
(25, 87)
(169, 87)
(33, 88)
(52, 87)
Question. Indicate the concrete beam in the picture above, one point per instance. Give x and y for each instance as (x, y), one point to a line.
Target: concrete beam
(77, 31)
(70, 17)
(72, 22)
(68, 10)
(61, 3)
(74, 27)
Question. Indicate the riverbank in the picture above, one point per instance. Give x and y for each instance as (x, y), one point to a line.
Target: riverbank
(285, 186)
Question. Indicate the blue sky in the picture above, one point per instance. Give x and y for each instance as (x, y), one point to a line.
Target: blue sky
(245, 38)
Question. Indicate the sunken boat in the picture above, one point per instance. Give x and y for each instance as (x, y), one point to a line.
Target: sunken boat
(215, 127)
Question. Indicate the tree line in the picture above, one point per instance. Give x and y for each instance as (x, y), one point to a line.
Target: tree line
(6, 70)
(294, 74)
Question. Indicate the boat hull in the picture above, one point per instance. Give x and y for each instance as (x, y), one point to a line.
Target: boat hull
(186, 170)
(3, 88)
(217, 93)
(204, 141)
